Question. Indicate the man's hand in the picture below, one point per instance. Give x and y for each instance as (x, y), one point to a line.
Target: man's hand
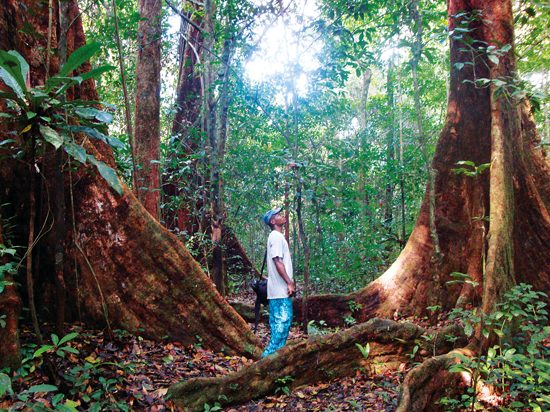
(291, 289)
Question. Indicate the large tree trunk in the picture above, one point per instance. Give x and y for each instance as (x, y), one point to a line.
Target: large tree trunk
(483, 125)
(182, 182)
(147, 120)
(126, 271)
(514, 193)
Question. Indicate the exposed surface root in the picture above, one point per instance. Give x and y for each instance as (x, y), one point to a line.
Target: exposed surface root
(316, 359)
(429, 382)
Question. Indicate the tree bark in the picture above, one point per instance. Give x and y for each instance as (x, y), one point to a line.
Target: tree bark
(10, 307)
(147, 120)
(133, 274)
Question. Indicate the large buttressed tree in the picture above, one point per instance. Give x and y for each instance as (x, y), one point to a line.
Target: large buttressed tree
(123, 270)
(500, 215)
(492, 217)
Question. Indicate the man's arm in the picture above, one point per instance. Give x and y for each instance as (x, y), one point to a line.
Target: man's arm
(282, 271)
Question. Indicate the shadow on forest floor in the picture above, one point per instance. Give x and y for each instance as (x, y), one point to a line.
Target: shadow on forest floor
(129, 373)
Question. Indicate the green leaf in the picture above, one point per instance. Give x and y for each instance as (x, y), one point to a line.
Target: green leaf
(499, 333)
(104, 117)
(5, 384)
(11, 82)
(8, 95)
(108, 174)
(114, 142)
(41, 388)
(93, 113)
(13, 71)
(462, 357)
(22, 63)
(460, 275)
(459, 368)
(365, 350)
(41, 350)
(67, 338)
(55, 339)
(493, 58)
(86, 112)
(95, 73)
(76, 151)
(78, 57)
(467, 163)
(51, 136)
(54, 81)
(66, 408)
(57, 398)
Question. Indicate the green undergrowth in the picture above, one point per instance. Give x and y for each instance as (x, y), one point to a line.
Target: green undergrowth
(514, 374)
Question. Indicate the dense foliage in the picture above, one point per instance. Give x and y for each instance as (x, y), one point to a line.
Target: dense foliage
(327, 87)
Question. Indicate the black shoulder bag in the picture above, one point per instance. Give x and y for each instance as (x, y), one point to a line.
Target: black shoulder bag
(259, 286)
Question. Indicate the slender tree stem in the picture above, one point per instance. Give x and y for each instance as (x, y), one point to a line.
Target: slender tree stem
(30, 279)
(127, 110)
(401, 165)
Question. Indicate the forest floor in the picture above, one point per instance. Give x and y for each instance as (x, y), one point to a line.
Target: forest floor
(130, 373)
(120, 371)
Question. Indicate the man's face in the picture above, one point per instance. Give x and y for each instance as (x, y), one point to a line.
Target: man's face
(279, 219)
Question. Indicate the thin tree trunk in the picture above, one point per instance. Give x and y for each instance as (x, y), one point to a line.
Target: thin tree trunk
(401, 164)
(362, 143)
(183, 188)
(147, 112)
(546, 79)
(127, 109)
(390, 151)
(61, 290)
(30, 245)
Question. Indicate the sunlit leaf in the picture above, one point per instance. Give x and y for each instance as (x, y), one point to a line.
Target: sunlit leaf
(78, 57)
(51, 136)
(11, 72)
(76, 151)
(108, 174)
(41, 388)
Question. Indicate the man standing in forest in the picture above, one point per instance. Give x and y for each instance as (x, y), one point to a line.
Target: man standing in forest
(280, 286)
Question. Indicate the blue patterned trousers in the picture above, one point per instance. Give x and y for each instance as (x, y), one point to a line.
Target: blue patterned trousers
(280, 319)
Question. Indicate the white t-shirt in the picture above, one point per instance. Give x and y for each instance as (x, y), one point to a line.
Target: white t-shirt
(277, 246)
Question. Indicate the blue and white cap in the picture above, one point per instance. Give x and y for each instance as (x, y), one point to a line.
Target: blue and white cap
(270, 213)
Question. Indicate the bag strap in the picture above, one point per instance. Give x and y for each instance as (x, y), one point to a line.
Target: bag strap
(263, 264)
